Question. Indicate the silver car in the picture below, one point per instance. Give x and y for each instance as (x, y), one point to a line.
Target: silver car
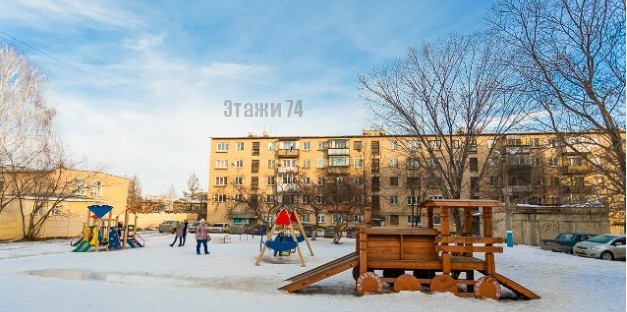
(606, 247)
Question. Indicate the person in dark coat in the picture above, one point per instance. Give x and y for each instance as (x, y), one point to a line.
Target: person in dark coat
(184, 237)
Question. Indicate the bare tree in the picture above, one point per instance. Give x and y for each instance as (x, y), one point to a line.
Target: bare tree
(439, 97)
(193, 187)
(572, 55)
(344, 200)
(134, 200)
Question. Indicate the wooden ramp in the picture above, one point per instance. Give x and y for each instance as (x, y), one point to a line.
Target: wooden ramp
(515, 287)
(319, 273)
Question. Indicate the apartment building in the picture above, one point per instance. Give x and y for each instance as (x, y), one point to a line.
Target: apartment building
(398, 172)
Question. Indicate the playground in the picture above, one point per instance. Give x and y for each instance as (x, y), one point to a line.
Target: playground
(160, 278)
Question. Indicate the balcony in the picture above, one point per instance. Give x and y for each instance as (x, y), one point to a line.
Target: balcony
(288, 153)
(287, 170)
(576, 170)
(338, 170)
(338, 152)
(285, 187)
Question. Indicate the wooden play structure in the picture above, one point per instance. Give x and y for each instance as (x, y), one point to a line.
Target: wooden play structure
(427, 258)
(282, 237)
(100, 233)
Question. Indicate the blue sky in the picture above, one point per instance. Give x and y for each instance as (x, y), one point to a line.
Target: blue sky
(140, 86)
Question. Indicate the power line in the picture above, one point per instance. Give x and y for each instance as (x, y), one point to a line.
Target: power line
(108, 83)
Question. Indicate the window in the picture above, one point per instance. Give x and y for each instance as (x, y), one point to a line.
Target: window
(393, 219)
(338, 144)
(394, 200)
(514, 142)
(239, 146)
(495, 181)
(322, 145)
(320, 180)
(375, 184)
(306, 180)
(305, 199)
(271, 146)
(554, 162)
(288, 178)
(374, 147)
(375, 202)
(255, 150)
(358, 163)
(393, 181)
(96, 188)
(414, 220)
(255, 166)
(222, 163)
(269, 199)
(393, 163)
(412, 145)
(254, 183)
(338, 161)
(393, 145)
(534, 142)
(474, 164)
(320, 218)
(221, 181)
(322, 163)
(357, 145)
(306, 163)
(436, 219)
(454, 143)
(359, 181)
(307, 146)
(474, 183)
(270, 180)
(239, 181)
(412, 163)
(219, 198)
(434, 144)
(319, 200)
(304, 218)
(412, 200)
(238, 198)
(271, 163)
(239, 164)
(375, 166)
(222, 147)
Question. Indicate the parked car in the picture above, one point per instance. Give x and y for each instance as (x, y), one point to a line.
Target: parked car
(168, 226)
(192, 228)
(606, 247)
(219, 228)
(565, 241)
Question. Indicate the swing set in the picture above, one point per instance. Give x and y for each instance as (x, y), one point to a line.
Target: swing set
(283, 239)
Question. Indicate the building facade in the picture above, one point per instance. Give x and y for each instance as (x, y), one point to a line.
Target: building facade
(397, 172)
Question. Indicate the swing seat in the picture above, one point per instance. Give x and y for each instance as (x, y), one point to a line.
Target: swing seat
(280, 245)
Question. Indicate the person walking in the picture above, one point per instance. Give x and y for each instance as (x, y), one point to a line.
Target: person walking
(179, 234)
(202, 237)
(184, 237)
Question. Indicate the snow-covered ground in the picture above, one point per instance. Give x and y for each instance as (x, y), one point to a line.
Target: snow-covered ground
(47, 276)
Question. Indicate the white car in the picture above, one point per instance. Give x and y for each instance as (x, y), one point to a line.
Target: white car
(606, 247)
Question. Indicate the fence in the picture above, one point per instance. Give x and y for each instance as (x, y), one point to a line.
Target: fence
(11, 227)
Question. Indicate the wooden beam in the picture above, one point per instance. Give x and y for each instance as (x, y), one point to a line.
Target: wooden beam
(469, 249)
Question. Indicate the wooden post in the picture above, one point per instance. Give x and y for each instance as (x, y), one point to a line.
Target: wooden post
(302, 231)
(445, 231)
(300, 253)
(363, 254)
(430, 217)
(488, 232)
(263, 249)
(125, 235)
